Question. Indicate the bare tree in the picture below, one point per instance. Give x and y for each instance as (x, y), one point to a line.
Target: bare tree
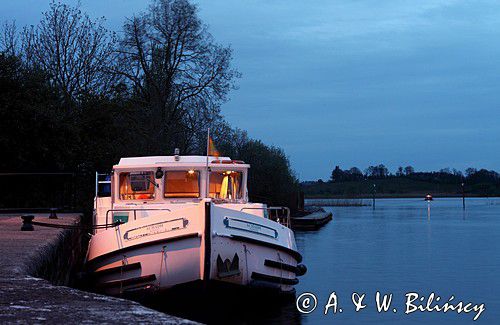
(9, 38)
(175, 67)
(75, 51)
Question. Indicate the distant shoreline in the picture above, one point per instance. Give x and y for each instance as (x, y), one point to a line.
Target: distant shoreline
(482, 183)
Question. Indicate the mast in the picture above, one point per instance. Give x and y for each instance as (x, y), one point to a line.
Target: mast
(207, 177)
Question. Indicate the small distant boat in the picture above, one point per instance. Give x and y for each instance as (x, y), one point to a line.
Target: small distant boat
(428, 197)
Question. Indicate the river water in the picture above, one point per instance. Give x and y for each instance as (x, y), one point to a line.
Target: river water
(399, 247)
(405, 246)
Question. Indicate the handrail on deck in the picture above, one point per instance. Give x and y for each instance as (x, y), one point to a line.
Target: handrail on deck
(285, 223)
(135, 212)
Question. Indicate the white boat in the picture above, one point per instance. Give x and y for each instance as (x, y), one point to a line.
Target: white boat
(166, 221)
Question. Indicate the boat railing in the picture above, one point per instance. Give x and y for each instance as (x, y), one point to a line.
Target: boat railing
(281, 218)
(134, 210)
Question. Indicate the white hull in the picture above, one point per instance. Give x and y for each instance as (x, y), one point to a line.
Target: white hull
(204, 241)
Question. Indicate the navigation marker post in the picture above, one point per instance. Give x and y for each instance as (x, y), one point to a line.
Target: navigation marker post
(373, 195)
(463, 195)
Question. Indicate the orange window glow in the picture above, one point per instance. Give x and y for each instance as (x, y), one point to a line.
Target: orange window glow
(226, 185)
(182, 184)
(137, 186)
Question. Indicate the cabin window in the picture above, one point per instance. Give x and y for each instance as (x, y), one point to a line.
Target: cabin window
(137, 186)
(182, 184)
(226, 185)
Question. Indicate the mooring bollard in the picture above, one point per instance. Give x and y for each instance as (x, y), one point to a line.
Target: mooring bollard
(53, 214)
(27, 225)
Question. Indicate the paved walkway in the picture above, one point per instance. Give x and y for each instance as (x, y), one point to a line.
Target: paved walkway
(24, 299)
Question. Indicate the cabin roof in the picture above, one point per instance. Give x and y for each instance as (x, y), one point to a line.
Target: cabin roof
(170, 160)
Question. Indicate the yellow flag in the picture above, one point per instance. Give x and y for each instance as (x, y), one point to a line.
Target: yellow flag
(212, 150)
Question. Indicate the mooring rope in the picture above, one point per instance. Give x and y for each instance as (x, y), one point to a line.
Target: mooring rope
(161, 265)
(76, 227)
(124, 259)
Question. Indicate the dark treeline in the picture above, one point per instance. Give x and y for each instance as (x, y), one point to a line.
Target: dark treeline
(76, 97)
(405, 181)
(472, 175)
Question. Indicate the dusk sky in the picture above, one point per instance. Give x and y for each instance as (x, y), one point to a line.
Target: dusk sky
(352, 83)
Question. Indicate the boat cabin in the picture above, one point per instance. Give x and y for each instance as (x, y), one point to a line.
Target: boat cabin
(176, 179)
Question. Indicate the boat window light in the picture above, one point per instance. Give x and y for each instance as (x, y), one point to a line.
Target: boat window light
(182, 184)
(137, 185)
(226, 185)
